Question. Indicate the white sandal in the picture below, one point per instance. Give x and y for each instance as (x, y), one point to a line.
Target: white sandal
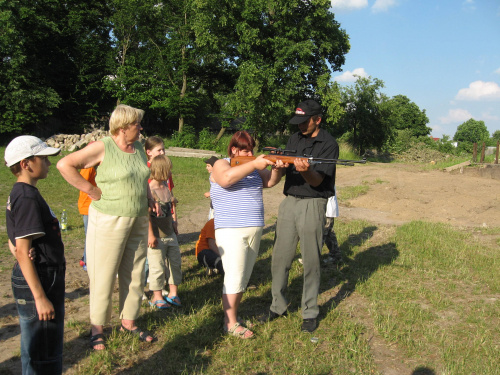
(240, 334)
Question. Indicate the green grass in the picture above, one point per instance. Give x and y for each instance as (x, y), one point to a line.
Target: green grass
(449, 162)
(428, 292)
(350, 192)
(439, 299)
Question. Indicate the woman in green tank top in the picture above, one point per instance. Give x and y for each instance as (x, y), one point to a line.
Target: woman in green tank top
(118, 220)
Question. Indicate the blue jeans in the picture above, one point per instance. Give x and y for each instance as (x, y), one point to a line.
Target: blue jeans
(41, 341)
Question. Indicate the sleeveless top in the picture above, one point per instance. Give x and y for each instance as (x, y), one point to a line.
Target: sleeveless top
(240, 205)
(123, 180)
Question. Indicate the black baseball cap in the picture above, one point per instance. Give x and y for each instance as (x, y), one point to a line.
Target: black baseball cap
(305, 110)
(211, 161)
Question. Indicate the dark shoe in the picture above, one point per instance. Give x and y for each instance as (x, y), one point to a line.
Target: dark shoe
(143, 335)
(309, 325)
(270, 316)
(97, 340)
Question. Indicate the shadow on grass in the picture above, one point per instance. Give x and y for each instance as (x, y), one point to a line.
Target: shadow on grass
(189, 351)
(358, 269)
(74, 352)
(192, 351)
(354, 270)
(183, 353)
(423, 371)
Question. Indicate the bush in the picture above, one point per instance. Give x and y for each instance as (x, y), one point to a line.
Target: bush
(278, 141)
(420, 152)
(206, 139)
(465, 147)
(404, 140)
(223, 144)
(187, 138)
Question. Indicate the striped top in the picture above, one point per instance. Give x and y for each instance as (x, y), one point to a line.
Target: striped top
(240, 205)
(123, 180)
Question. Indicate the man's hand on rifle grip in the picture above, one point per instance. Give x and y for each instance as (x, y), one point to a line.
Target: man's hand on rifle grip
(301, 165)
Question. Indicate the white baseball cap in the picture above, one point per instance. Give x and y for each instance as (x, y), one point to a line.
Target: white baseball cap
(25, 146)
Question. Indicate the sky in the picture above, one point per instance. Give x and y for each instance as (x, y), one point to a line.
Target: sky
(444, 55)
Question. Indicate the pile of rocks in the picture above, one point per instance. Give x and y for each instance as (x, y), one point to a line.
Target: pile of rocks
(73, 142)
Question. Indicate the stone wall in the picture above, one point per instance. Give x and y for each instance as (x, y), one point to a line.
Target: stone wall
(73, 142)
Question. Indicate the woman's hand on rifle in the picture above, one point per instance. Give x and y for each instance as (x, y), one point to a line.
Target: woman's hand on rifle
(261, 162)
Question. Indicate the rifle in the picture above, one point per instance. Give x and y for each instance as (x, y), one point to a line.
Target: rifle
(276, 154)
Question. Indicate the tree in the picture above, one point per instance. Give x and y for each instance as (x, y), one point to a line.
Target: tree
(401, 113)
(363, 117)
(496, 135)
(472, 131)
(331, 101)
(159, 64)
(53, 57)
(282, 50)
(24, 95)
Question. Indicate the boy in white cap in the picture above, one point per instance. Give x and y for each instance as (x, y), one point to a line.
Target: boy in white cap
(37, 286)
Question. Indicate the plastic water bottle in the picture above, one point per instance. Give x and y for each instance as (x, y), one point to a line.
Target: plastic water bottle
(63, 223)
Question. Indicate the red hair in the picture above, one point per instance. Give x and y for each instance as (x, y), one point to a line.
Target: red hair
(242, 141)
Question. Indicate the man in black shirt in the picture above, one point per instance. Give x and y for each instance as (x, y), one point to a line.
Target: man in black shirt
(302, 213)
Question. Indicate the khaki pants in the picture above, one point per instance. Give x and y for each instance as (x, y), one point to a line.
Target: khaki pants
(168, 249)
(298, 219)
(115, 245)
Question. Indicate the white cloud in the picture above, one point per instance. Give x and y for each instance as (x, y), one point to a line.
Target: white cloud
(351, 76)
(349, 4)
(437, 128)
(469, 4)
(480, 90)
(497, 71)
(456, 115)
(487, 116)
(383, 5)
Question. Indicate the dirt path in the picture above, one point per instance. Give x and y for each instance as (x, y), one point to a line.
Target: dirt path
(397, 194)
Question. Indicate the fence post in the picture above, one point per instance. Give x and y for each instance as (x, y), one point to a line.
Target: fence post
(474, 153)
(498, 147)
(482, 153)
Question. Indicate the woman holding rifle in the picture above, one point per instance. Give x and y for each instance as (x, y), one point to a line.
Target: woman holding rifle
(236, 194)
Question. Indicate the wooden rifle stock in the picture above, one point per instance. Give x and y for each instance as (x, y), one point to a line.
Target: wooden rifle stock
(238, 160)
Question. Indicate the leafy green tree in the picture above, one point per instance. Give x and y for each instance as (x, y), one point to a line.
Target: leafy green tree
(445, 145)
(331, 101)
(53, 59)
(401, 113)
(159, 65)
(363, 117)
(282, 50)
(24, 95)
(496, 136)
(471, 131)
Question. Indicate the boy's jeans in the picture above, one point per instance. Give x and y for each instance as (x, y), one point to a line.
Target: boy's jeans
(41, 341)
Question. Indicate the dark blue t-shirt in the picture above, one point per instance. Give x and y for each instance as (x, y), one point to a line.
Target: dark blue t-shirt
(28, 215)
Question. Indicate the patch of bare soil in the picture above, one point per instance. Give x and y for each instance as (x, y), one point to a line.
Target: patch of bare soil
(397, 194)
(400, 193)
